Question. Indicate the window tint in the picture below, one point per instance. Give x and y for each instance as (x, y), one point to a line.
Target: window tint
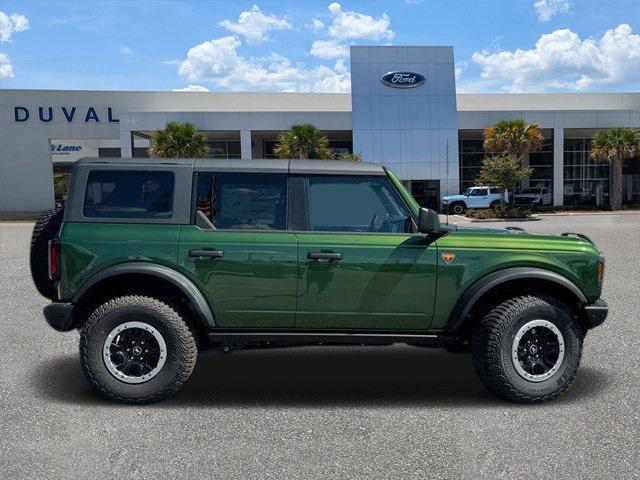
(494, 191)
(243, 201)
(478, 192)
(129, 194)
(356, 204)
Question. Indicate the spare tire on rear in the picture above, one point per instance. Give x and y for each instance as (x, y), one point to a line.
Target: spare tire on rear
(46, 228)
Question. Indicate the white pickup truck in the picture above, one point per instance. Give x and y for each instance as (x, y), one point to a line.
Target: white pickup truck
(474, 197)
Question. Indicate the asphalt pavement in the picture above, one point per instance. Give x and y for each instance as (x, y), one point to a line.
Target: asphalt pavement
(345, 412)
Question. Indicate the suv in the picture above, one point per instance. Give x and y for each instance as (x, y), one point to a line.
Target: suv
(156, 260)
(537, 196)
(474, 197)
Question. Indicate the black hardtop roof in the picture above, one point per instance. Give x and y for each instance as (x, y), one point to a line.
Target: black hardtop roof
(334, 167)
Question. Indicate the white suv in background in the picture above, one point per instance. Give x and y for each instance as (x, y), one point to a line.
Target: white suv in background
(474, 197)
(537, 196)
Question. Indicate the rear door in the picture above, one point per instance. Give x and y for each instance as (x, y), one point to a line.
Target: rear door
(247, 264)
(361, 265)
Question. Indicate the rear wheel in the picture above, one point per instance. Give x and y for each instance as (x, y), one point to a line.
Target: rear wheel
(527, 349)
(46, 228)
(457, 208)
(136, 349)
(495, 204)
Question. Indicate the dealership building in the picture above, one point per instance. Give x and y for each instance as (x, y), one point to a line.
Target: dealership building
(411, 121)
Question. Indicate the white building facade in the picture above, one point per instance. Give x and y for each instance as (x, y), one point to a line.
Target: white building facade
(403, 112)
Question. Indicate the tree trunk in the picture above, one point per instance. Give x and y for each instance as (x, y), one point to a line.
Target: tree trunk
(616, 193)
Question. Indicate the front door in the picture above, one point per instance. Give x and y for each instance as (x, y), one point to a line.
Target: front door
(247, 265)
(361, 267)
(478, 198)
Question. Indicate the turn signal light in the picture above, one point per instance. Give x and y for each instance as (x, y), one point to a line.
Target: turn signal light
(600, 270)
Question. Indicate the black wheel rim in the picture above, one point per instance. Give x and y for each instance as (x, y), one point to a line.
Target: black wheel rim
(134, 352)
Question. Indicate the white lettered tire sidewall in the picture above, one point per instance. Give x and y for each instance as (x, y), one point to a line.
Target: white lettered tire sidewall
(180, 343)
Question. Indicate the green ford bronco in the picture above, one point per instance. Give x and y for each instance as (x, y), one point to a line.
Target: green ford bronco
(155, 260)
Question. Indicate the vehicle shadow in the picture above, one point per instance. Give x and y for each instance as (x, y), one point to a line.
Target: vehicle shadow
(317, 377)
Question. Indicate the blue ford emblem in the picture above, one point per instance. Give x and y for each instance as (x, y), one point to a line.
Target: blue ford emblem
(403, 79)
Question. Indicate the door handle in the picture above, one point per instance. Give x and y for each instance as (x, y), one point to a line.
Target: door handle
(331, 256)
(206, 253)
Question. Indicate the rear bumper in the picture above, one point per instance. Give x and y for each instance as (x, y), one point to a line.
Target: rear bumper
(59, 315)
(596, 313)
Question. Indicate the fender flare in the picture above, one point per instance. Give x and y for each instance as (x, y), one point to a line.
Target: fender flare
(469, 298)
(177, 279)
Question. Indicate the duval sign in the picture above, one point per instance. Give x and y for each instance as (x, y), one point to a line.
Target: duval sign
(66, 113)
(403, 79)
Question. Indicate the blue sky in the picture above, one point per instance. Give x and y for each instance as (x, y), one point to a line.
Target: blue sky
(500, 46)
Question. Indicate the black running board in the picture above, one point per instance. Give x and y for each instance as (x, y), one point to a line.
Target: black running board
(277, 338)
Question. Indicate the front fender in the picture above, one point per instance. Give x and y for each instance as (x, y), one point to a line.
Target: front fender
(475, 292)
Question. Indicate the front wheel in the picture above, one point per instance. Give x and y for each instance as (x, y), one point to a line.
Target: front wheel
(457, 208)
(136, 349)
(527, 349)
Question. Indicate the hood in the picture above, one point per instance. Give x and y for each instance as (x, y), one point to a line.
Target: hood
(516, 239)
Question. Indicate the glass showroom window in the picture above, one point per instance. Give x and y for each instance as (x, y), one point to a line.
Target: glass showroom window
(471, 157)
(586, 181)
(224, 149)
(542, 163)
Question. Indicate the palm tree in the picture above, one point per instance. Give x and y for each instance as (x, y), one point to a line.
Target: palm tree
(513, 137)
(178, 140)
(615, 145)
(303, 141)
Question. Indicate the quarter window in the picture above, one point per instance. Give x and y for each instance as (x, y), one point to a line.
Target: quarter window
(356, 204)
(129, 194)
(243, 201)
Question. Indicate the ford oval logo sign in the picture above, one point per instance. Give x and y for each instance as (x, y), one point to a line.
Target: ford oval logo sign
(403, 79)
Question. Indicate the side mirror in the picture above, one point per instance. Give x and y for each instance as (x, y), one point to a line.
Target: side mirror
(428, 221)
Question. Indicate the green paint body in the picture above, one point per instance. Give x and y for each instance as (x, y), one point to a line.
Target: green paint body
(391, 282)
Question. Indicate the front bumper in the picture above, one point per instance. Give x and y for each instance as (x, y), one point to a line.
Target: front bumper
(59, 315)
(596, 313)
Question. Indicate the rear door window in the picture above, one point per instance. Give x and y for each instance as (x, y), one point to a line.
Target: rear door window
(243, 201)
(129, 194)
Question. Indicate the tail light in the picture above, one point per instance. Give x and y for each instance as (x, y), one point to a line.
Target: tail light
(54, 259)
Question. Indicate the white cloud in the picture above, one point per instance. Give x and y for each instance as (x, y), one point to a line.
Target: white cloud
(547, 9)
(254, 25)
(348, 25)
(561, 60)
(328, 49)
(10, 24)
(345, 26)
(217, 61)
(6, 70)
(192, 88)
(210, 58)
(460, 66)
(125, 51)
(316, 25)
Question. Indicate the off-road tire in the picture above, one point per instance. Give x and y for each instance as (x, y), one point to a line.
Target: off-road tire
(180, 343)
(495, 204)
(46, 228)
(492, 340)
(457, 208)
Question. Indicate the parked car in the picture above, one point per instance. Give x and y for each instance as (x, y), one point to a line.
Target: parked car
(474, 197)
(154, 262)
(536, 196)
